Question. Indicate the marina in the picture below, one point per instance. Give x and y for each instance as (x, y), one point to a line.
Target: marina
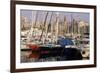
(53, 36)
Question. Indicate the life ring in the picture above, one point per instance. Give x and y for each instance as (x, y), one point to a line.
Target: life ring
(85, 53)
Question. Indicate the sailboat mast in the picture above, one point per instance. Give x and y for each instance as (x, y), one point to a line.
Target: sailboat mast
(65, 25)
(72, 24)
(48, 26)
(36, 19)
(32, 23)
(57, 27)
(51, 28)
(43, 27)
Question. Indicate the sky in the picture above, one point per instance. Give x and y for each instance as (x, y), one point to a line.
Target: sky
(31, 15)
